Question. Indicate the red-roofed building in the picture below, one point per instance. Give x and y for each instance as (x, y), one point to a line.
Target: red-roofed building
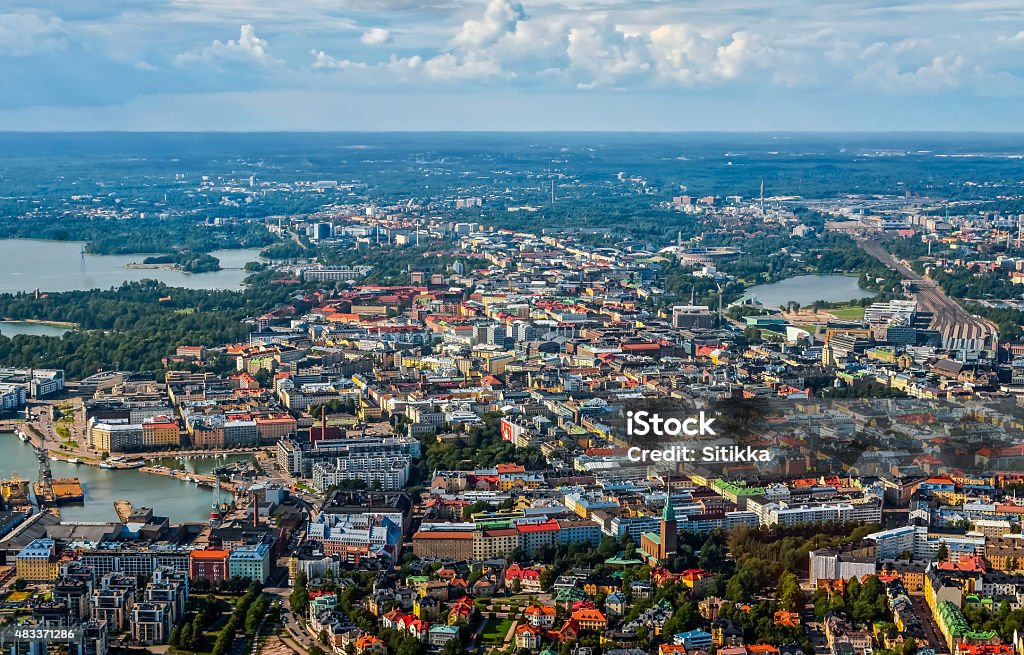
(211, 564)
(528, 636)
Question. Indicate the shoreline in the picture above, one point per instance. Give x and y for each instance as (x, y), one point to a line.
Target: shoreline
(34, 321)
(140, 266)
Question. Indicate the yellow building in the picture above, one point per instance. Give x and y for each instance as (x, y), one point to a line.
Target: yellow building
(160, 432)
(37, 562)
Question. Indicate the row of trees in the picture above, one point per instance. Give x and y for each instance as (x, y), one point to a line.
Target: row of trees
(189, 635)
(247, 615)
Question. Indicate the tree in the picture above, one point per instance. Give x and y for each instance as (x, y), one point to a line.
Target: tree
(942, 555)
(185, 637)
(790, 594)
(299, 598)
(451, 647)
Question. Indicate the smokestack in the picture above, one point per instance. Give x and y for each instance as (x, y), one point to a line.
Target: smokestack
(323, 422)
(255, 510)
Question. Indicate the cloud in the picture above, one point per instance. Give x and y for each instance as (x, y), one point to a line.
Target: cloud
(602, 56)
(31, 32)
(323, 61)
(500, 17)
(248, 49)
(942, 73)
(446, 66)
(375, 36)
(659, 51)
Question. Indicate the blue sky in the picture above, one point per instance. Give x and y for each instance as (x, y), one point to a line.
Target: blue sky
(511, 65)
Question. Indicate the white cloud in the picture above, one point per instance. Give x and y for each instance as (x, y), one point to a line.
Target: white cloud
(604, 56)
(375, 36)
(31, 32)
(446, 66)
(942, 73)
(500, 17)
(248, 49)
(323, 61)
(566, 44)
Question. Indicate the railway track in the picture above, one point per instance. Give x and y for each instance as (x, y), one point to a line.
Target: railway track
(958, 327)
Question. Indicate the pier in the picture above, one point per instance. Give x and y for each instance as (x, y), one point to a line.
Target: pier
(123, 509)
(200, 479)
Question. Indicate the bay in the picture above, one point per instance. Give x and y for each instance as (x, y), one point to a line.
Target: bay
(30, 264)
(178, 500)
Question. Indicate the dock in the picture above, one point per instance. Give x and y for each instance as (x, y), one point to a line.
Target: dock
(200, 479)
(123, 509)
(43, 491)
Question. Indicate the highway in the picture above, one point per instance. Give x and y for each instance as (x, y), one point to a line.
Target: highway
(958, 327)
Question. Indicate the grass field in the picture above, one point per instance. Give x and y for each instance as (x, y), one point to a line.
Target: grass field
(847, 312)
(495, 631)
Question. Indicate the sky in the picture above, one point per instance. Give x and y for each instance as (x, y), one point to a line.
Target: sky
(659, 65)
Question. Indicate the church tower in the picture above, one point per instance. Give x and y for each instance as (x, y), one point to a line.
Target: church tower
(669, 530)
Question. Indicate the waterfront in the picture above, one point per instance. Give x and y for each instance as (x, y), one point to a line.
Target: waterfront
(180, 501)
(805, 289)
(11, 328)
(30, 264)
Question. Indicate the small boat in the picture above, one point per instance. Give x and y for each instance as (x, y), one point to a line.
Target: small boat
(106, 465)
(24, 437)
(74, 460)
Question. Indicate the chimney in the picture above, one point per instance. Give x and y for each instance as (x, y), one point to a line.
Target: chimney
(255, 510)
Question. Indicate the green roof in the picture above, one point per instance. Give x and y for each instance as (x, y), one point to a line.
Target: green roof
(737, 488)
(620, 560)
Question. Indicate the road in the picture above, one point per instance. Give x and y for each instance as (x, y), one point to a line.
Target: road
(959, 328)
(931, 629)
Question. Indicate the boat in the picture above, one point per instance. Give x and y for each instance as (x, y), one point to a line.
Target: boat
(67, 490)
(74, 460)
(22, 435)
(107, 465)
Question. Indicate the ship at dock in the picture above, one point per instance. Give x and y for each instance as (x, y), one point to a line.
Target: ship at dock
(50, 492)
(16, 492)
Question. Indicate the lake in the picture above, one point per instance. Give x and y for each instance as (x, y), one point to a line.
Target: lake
(30, 264)
(178, 500)
(805, 289)
(11, 328)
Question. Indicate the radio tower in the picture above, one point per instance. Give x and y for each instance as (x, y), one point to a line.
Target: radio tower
(552, 194)
(762, 197)
(82, 262)
(215, 505)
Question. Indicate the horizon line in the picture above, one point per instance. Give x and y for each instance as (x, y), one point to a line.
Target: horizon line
(7, 132)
